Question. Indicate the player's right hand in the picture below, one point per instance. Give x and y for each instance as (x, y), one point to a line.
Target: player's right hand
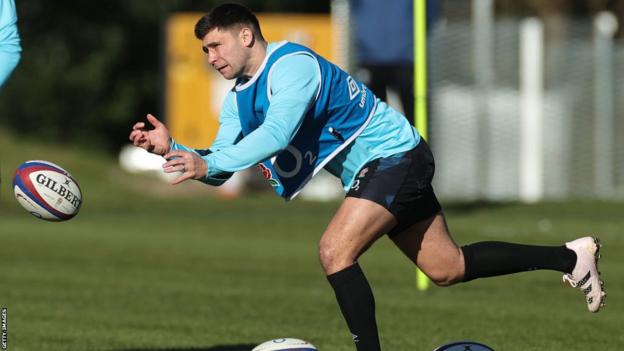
(155, 140)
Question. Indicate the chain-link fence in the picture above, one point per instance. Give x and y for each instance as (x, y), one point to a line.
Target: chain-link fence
(480, 102)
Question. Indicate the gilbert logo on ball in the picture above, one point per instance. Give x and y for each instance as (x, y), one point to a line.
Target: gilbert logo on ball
(47, 191)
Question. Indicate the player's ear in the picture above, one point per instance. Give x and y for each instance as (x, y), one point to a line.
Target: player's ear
(247, 36)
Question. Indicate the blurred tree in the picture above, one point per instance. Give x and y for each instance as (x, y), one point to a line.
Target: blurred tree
(90, 69)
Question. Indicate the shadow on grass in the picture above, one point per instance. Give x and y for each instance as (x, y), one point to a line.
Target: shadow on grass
(242, 347)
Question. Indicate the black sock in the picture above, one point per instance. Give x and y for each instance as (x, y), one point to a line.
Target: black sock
(492, 258)
(357, 304)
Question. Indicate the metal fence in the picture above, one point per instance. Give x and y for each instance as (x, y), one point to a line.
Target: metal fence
(518, 114)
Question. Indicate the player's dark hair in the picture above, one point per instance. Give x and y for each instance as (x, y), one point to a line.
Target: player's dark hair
(228, 16)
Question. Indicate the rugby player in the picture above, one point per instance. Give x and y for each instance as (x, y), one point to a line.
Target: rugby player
(292, 113)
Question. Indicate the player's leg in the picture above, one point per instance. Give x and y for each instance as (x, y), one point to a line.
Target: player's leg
(356, 226)
(429, 245)
(422, 234)
(403, 79)
(365, 215)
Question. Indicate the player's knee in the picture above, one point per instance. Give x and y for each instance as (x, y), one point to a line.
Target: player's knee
(327, 255)
(332, 258)
(446, 276)
(445, 280)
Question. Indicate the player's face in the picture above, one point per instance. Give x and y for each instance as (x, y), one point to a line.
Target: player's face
(227, 51)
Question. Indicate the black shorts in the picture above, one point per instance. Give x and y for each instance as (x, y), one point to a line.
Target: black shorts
(400, 183)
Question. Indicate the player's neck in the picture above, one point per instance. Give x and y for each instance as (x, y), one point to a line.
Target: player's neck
(258, 53)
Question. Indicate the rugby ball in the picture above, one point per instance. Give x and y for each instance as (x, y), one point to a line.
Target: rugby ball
(285, 344)
(463, 346)
(47, 191)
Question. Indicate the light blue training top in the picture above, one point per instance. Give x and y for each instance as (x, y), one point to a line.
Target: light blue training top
(295, 83)
(9, 39)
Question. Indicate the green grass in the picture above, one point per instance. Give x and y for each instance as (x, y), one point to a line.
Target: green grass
(142, 269)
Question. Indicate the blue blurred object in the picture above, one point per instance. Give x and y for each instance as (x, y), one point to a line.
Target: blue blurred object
(384, 46)
(384, 30)
(9, 39)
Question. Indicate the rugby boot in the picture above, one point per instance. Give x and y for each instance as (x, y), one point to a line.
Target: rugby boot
(585, 275)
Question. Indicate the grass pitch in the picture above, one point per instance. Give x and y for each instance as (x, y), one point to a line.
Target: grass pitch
(142, 270)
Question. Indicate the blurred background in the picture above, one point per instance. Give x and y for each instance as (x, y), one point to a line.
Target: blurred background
(525, 112)
(524, 97)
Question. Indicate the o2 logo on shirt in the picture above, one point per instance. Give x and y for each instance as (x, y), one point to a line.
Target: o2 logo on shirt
(308, 157)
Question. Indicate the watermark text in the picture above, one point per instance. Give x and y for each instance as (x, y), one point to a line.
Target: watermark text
(5, 339)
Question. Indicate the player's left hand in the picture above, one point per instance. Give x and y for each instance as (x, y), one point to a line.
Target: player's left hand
(191, 165)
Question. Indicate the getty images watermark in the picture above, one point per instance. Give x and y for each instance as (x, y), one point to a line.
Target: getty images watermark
(5, 339)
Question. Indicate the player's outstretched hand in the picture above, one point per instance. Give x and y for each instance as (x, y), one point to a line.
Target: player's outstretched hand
(191, 165)
(154, 140)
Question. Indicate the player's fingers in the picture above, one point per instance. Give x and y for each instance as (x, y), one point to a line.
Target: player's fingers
(175, 168)
(183, 177)
(138, 125)
(175, 154)
(153, 120)
(139, 140)
(135, 134)
(171, 166)
(172, 163)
